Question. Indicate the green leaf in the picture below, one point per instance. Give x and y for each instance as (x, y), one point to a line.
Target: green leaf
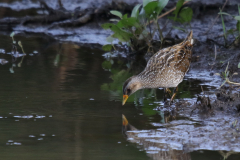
(224, 13)
(135, 11)
(178, 7)
(107, 25)
(107, 47)
(116, 13)
(128, 22)
(114, 20)
(186, 14)
(145, 2)
(238, 26)
(224, 28)
(237, 18)
(125, 16)
(239, 65)
(176, 19)
(151, 9)
(154, 8)
(161, 4)
(110, 39)
(106, 65)
(122, 35)
(142, 15)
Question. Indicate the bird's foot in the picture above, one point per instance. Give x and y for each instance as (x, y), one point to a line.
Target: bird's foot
(167, 103)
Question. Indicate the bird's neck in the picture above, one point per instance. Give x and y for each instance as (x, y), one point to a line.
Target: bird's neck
(138, 81)
(145, 81)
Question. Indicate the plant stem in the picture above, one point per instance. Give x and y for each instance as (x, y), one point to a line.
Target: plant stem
(224, 30)
(216, 18)
(160, 32)
(239, 21)
(227, 80)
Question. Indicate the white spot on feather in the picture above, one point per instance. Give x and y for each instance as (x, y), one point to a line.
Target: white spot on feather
(192, 41)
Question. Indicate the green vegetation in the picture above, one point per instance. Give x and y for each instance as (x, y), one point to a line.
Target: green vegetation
(182, 15)
(136, 31)
(226, 76)
(235, 32)
(14, 51)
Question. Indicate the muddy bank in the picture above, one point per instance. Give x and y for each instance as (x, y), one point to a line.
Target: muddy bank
(197, 124)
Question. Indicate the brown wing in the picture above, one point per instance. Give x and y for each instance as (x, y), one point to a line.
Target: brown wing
(177, 57)
(157, 63)
(182, 58)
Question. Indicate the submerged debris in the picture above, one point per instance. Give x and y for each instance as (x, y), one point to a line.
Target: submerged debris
(3, 61)
(203, 104)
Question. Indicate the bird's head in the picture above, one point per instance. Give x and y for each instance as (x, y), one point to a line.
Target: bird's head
(130, 86)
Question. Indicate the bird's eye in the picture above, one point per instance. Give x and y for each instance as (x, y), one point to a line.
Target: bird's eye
(128, 91)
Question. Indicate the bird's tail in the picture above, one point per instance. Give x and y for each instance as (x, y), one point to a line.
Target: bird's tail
(189, 39)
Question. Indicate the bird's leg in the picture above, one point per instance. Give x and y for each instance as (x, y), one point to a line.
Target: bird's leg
(166, 91)
(164, 95)
(174, 94)
(169, 92)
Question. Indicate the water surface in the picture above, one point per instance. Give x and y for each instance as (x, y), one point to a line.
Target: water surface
(55, 109)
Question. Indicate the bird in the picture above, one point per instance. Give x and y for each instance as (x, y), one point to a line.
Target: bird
(165, 69)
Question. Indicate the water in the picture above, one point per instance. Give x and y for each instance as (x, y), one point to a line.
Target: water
(64, 102)
(58, 111)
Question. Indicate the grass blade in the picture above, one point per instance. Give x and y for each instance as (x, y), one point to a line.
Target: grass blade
(224, 28)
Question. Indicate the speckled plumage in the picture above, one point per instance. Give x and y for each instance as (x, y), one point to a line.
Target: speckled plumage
(165, 69)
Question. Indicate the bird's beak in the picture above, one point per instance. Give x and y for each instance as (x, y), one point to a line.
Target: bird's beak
(125, 97)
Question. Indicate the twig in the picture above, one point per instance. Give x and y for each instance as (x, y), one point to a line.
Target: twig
(202, 90)
(216, 18)
(160, 32)
(215, 51)
(171, 10)
(166, 13)
(227, 80)
(215, 57)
